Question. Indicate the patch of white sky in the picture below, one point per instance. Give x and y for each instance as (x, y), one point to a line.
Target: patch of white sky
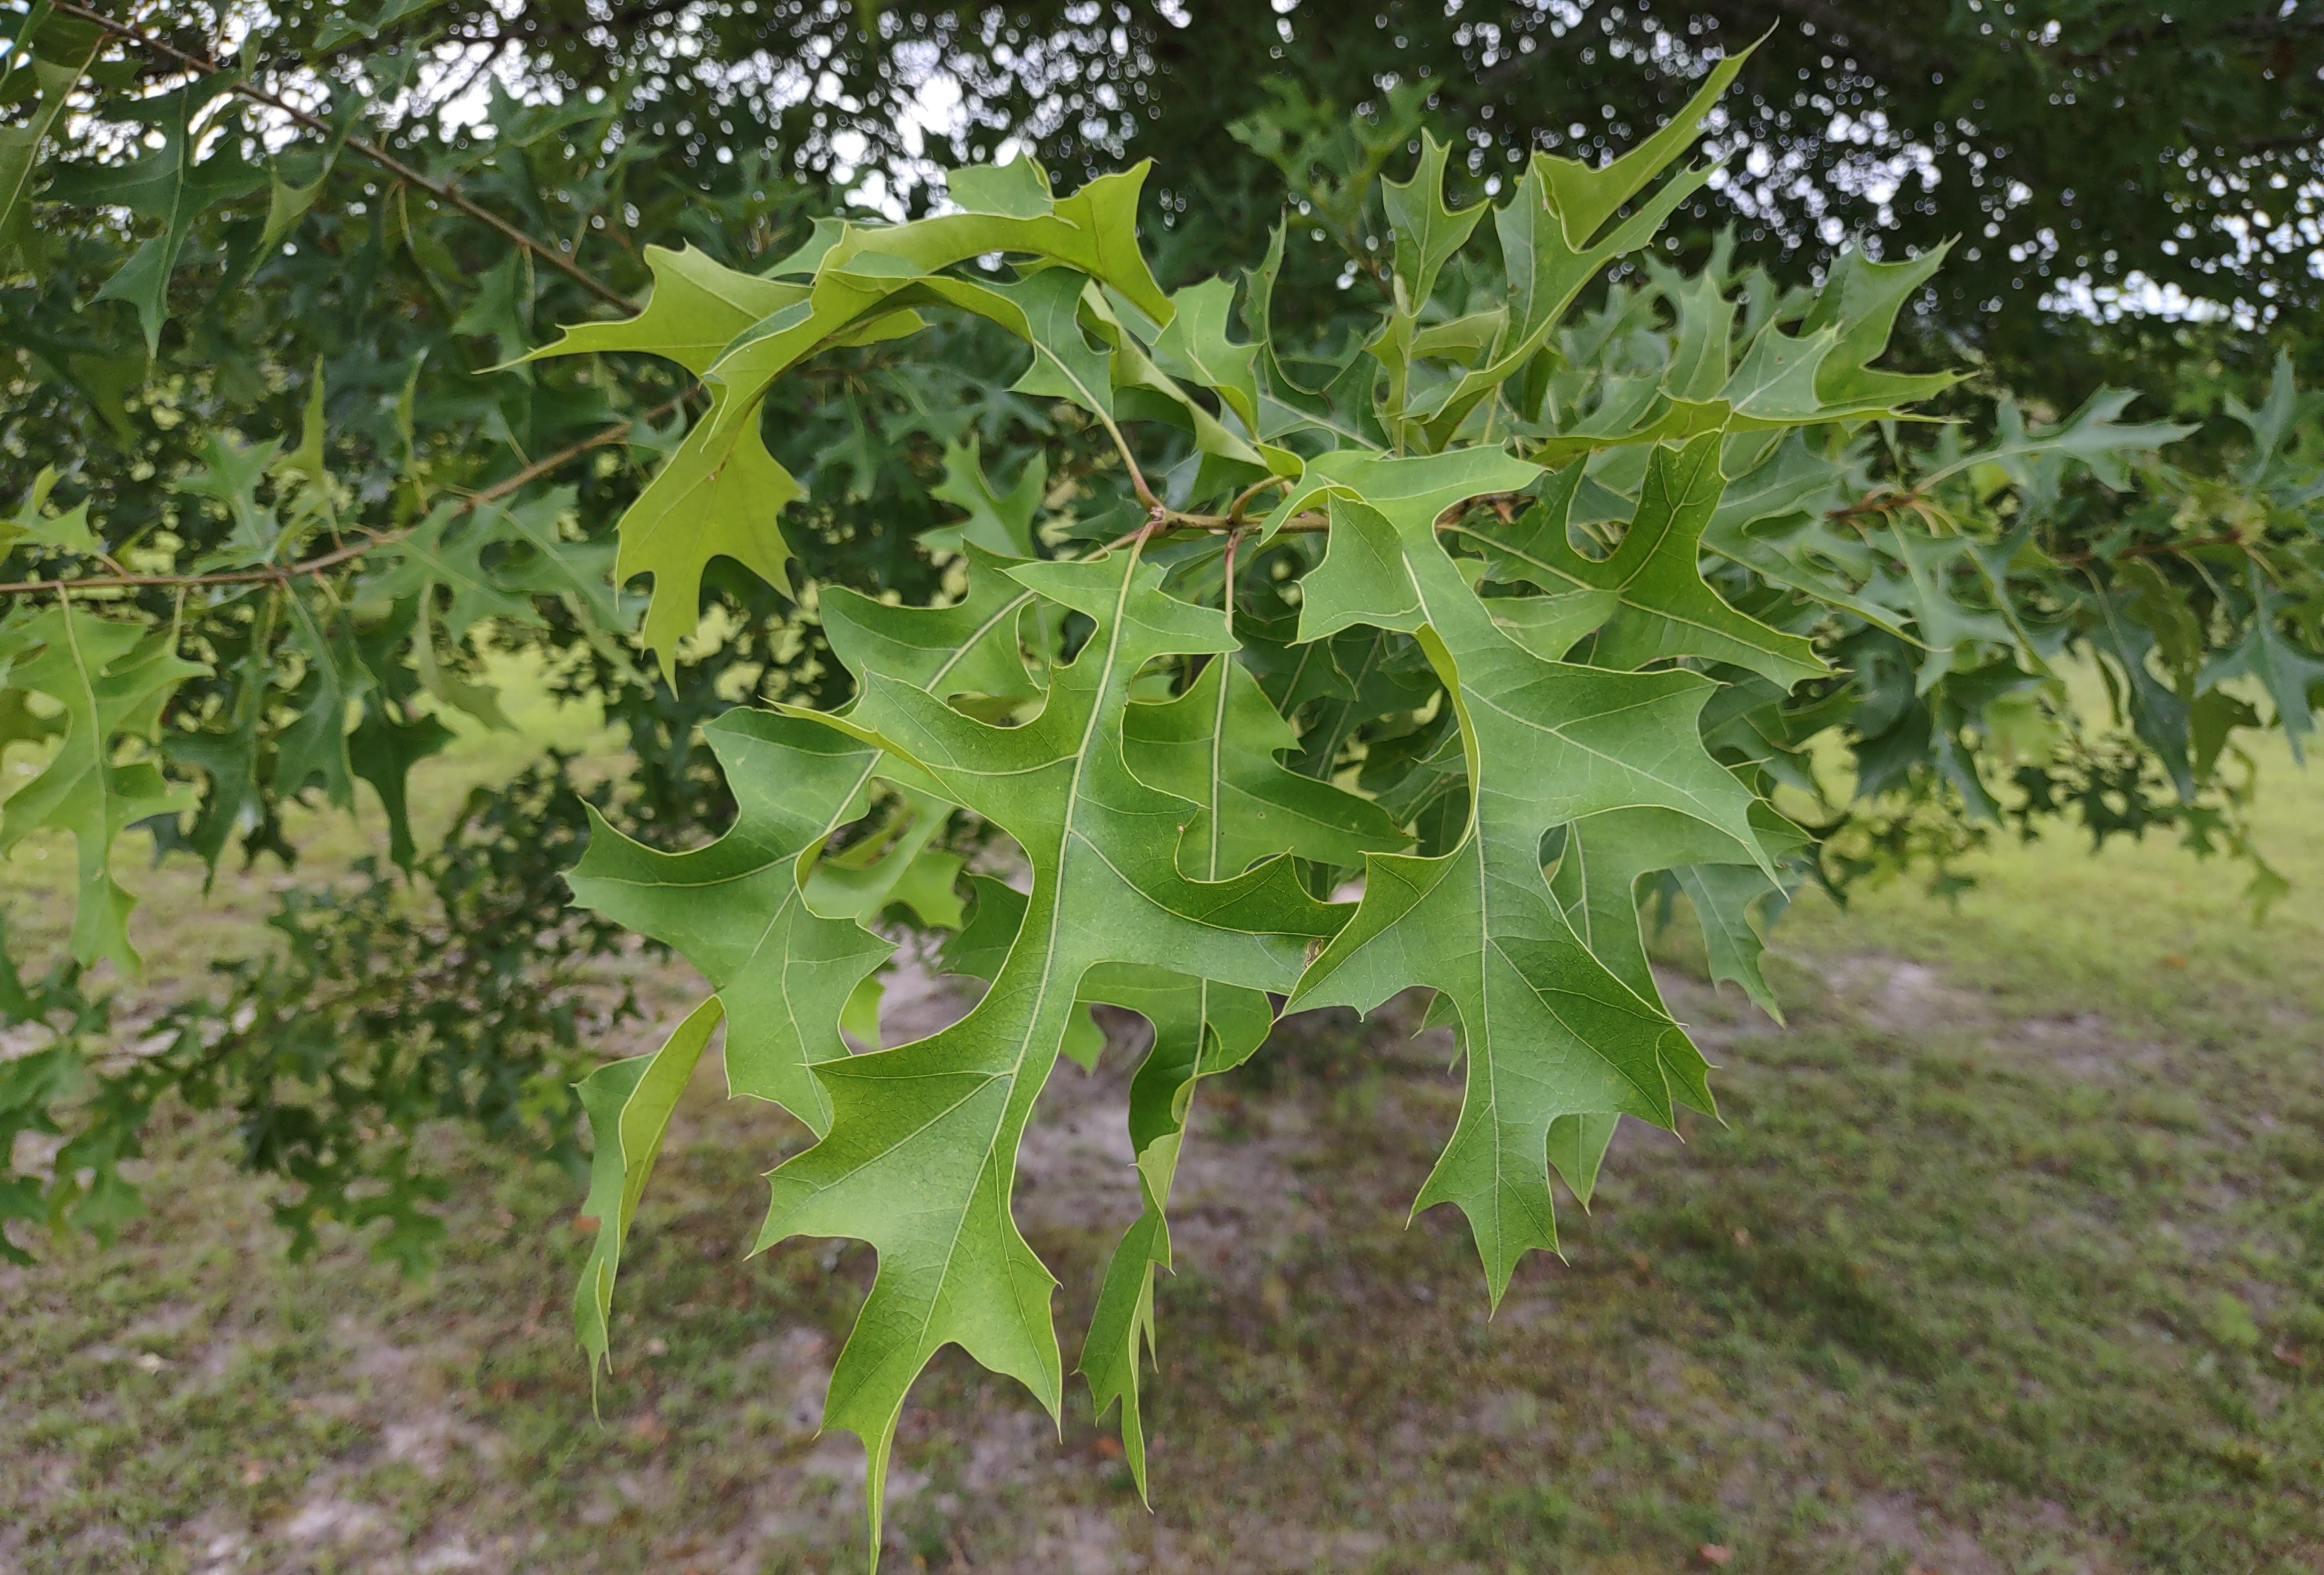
(935, 110)
(1775, 184)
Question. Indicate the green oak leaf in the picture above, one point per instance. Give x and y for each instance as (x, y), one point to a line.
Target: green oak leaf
(2158, 714)
(1548, 1030)
(2289, 674)
(971, 647)
(502, 310)
(1340, 409)
(169, 184)
(445, 554)
(111, 679)
(999, 522)
(229, 476)
(1427, 233)
(1554, 238)
(1606, 856)
(1663, 608)
(1584, 197)
(1216, 745)
(786, 965)
(920, 1156)
(735, 908)
(696, 309)
(628, 1104)
(20, 145)
(580, 571)
(287, 203)
(1917, 578)
(1414, 487)
(1200, 1027)
(315, 747)
(1734, 904)
(381, 751)
(2092, 436)
(721, 494)
(892, 863)
(68, 531)
(1018, 188)
(1860, 299)
(229, 755)
(1195, 349)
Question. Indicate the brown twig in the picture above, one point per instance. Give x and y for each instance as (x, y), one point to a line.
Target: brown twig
(282, 574)
(442, 190)
(2152, 549)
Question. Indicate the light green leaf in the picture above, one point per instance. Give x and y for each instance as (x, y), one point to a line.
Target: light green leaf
(1217, 746)
(1427, 233)
(68, 532)
(1548, 1030)
(1195, 349)
(1018, 188)
(628, 1104)
(920, 1156)
(734, 910)
(1551, 246)
(1663, 607)
(111, 679)
(1860, 299)
(696, 309)
(1584, 197)
(999, 522)
(1410, 491)
(892, 863)
(721, 494)
(20, 145)
(1362, 579)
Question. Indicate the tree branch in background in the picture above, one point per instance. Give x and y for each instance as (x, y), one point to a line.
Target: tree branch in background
(284, 573)
(443, 191)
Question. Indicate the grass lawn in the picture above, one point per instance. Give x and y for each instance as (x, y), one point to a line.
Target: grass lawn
(2008, 1257)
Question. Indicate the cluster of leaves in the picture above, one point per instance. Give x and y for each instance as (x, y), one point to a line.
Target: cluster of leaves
(1542, 603)
(1512, 596)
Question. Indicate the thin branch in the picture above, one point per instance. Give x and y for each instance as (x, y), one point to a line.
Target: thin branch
(282, 574)
(442, 190)
(1310, 521)
(1235, 510)
(2154, 549)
